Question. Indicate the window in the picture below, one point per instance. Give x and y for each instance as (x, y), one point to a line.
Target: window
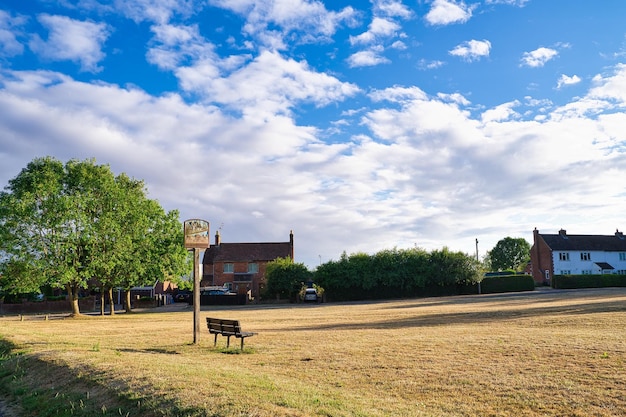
(229, 268)
(566, 272)
(622, 256)
(586, 272)
(563, 256)
(585, 256)
(621, 272)
(253, 268)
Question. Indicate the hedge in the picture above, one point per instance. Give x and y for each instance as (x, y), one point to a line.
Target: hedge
(588, 281)
(509, 283)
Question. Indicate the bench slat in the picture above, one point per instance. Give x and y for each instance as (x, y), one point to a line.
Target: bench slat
(226, 328)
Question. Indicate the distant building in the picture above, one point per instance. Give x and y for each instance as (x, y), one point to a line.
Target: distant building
(241, 266)
(563, 254)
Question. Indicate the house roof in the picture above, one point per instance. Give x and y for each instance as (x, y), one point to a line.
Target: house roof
(246, 252)
(604, 265)
(566, 242)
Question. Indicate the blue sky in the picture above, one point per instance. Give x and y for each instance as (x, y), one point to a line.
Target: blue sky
(361, 125)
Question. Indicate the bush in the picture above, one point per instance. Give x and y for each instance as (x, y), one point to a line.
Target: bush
(510, 283)
(588, 281)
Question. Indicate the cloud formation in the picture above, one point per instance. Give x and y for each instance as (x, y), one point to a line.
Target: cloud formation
(472, 50)
(539, 57)
(69, 39)
(445, 12)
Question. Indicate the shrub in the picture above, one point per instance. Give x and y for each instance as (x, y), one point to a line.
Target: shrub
(588, 281)
(510, 283)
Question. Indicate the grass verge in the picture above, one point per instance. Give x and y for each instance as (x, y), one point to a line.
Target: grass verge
(532, 354)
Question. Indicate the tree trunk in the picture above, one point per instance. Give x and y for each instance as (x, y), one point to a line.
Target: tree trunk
(127, 301)
(72, 293)
(102, 301)
(111, 301)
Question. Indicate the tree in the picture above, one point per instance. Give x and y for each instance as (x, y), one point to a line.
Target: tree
(509, 253)
(285, 278)
(68, 225)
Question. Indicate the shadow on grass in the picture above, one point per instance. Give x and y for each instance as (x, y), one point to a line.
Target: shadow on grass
(534, 307)
(45, 388)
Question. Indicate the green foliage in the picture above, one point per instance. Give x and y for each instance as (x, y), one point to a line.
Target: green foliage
(396, 273)
(64, 225)
(509, 253)
(285, 278)
(588, 281)
(509, 283)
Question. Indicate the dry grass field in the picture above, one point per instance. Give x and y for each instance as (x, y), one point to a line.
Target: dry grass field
(546, 353)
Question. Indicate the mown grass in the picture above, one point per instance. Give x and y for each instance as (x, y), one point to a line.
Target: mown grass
(534, 354)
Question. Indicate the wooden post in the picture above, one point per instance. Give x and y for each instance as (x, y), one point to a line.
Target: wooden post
(196, 233)
(196, 295)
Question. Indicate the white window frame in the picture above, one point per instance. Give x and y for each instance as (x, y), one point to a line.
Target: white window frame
(229, 268)
(622, 256)
(563, 256)
(585, 256)
(253, 268)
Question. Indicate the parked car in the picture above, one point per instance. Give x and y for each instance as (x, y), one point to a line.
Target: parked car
(220, 291)
(183, 296)
(310, 294)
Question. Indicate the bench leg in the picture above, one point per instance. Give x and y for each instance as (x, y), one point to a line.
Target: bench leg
(242, 342)
(227, 341)
(215, 340)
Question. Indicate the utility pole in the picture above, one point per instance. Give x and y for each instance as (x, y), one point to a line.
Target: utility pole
(477, 261)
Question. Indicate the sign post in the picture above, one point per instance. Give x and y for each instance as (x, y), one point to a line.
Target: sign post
(196, 237)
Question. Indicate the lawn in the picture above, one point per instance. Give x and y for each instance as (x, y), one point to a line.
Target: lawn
(545, 353)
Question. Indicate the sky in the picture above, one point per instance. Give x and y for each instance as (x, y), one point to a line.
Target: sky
(360, 125)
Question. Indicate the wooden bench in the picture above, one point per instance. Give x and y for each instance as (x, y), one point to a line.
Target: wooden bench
(226, 328)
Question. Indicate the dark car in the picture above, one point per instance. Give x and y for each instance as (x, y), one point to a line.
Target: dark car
(220, 291)
(182, 296)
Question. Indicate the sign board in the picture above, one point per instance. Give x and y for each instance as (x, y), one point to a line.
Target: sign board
(196, 233)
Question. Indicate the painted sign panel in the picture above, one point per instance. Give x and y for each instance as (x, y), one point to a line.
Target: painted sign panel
(196, 233)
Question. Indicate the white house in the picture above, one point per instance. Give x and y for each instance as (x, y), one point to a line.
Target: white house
(563, 254)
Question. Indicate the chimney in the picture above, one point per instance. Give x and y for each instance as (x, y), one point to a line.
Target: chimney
(619, 235)
(563, 233)
(217, 238)
(291, 245)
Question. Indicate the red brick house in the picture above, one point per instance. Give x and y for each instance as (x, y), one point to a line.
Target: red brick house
(565, 254)
(241, 266)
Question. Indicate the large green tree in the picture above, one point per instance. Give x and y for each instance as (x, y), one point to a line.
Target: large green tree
(285, 278)
(69, 225)
(509, 253)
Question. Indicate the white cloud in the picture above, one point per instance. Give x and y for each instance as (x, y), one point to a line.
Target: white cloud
(378, 28)
(424, 171)
(567, 80)
(366, 58)
(472, 50)
(157, 11)
(501, 113)
(307, 20)
(424, 64)
(279, 84)
(392, 8)
(9, 44)
(72, 40)
(538, 57)
(381, 33)
(445, 12)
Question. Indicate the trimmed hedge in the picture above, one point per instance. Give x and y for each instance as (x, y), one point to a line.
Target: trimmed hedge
(509, 283)
(588, 281)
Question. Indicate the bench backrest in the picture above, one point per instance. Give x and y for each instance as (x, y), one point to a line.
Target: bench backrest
(223, 326)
